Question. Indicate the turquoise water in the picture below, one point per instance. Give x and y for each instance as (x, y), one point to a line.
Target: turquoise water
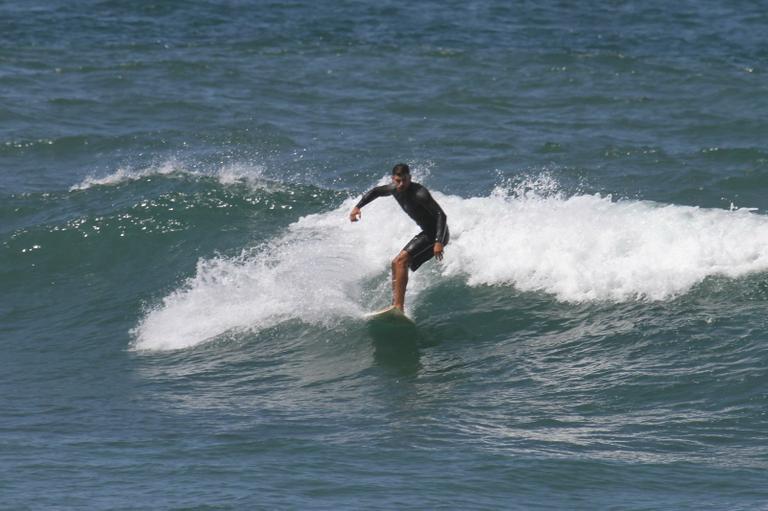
(181, 316)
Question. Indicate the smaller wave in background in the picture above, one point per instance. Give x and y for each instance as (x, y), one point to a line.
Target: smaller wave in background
(323, 269)
(161, 218)
(225, 174)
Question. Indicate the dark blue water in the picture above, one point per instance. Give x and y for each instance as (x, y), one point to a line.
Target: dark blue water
(182, 297)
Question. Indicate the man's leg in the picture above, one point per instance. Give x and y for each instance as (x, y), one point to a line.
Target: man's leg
(400, 278)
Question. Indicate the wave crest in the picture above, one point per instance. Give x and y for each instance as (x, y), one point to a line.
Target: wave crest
(530, 236)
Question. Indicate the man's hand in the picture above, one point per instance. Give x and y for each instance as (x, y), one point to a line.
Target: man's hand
(354, 216)
(438, 251)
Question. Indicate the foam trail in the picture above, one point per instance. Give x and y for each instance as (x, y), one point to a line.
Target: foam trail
(580, 248)
(314, 272)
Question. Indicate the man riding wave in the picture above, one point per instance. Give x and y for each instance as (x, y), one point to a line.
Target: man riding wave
(418, 203)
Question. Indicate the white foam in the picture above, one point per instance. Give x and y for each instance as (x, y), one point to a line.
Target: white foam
(579, 248)
(241, 173)
(588, 247)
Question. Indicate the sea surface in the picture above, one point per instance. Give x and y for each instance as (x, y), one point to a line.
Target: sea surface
(182, 296)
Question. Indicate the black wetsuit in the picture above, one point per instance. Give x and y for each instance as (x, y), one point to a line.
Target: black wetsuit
(422, 208)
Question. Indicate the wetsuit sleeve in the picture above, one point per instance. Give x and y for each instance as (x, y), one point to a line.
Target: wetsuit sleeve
(441, 219)
(375, 193)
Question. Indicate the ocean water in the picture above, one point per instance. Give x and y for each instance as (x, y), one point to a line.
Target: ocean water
(182, 294)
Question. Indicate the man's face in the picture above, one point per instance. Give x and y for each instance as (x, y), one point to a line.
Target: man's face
(401, 182)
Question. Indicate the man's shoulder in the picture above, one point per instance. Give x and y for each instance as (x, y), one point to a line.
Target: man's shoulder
(420, 190)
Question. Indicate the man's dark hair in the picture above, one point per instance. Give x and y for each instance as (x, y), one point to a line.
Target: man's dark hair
(401, 169)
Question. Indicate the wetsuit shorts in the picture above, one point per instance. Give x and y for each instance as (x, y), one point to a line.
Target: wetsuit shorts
(422, 248)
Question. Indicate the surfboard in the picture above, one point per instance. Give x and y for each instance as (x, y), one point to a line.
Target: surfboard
(391, 324)
(391, 314)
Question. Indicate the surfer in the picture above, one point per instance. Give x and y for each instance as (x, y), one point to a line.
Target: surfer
(418, 203)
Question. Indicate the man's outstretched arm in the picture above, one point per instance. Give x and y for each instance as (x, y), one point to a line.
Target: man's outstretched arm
(370, 195)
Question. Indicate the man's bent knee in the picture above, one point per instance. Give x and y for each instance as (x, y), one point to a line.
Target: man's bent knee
(402, 259)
